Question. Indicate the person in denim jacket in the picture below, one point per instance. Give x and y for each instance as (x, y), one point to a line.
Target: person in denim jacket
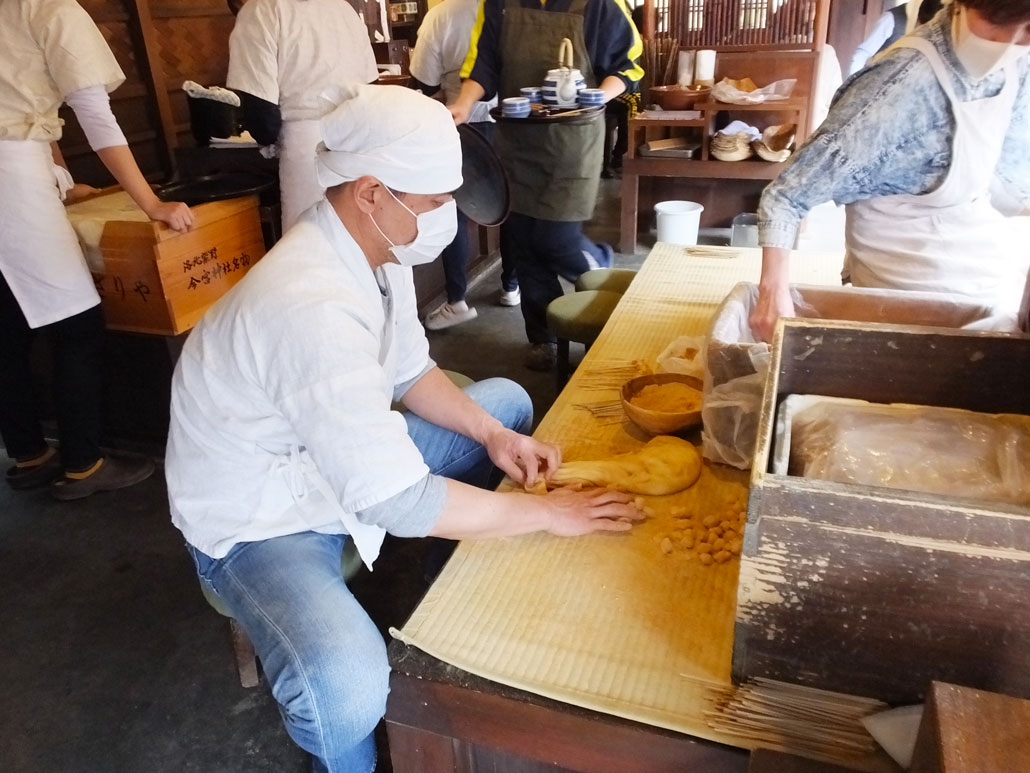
(929, 149)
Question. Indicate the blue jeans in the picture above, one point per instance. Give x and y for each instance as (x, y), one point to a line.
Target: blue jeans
(543, 250)
(321, 653)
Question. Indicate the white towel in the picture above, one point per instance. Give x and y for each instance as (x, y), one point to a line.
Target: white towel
(216, 93)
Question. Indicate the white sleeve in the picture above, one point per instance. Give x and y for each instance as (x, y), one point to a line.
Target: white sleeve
(92, 107)
(359, 34)
(868, 47)
(253, 52)
(425, 58)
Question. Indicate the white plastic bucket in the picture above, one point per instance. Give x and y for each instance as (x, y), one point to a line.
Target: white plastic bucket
(678, 221)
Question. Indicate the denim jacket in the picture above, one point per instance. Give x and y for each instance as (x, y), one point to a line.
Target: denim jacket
(890, 131)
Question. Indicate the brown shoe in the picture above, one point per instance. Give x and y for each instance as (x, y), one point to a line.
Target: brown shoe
(35, 474)
(114, 473)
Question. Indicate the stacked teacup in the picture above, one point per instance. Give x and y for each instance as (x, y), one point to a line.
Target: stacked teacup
(590, 97)
(532, 93)
(515, 107)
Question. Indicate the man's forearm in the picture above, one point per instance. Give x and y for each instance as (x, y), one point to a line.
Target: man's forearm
(435, 398)
(612, 86)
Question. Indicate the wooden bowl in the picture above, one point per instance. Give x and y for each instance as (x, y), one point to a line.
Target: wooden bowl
(661, 422)
(677, 97)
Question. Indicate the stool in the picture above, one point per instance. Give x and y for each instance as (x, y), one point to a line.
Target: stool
(616, 280)
(242, 647)
(578, 317)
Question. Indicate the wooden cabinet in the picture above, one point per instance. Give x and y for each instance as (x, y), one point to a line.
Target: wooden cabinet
(762, 66)
(405, 18)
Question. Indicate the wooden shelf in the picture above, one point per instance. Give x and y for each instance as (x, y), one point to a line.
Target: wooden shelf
(680, 167)
(776, 106)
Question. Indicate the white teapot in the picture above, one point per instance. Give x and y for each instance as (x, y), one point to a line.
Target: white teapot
(563, 84)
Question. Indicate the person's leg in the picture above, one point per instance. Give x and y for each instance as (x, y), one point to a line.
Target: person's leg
(610, 126)
(621, 137)
(455, 262)
(455, 456)
(324, 658)
(455, 271)
(78, 344)
(569, 252)
(19, 420)
(460, 458)
(537, 278)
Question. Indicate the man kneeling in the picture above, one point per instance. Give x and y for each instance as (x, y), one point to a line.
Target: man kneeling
(283, 444)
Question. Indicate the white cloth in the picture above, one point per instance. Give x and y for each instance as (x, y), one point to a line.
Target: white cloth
(48, 49)
(950, 239)
(299, 187)
(443, 43)
(92, 108)
(402, 138)
(288, 52)
(39, 255)
(214, 93)
(261, 413)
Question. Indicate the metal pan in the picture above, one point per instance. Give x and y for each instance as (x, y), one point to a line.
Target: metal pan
(215, 187)
(484, 196)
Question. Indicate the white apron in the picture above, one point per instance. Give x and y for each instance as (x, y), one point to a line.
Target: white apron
(40, 255)
(298, 183)
(950, 240)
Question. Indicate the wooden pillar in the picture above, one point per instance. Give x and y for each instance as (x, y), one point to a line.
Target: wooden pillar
(145, 39)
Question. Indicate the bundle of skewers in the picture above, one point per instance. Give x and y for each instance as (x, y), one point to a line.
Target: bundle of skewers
(660, 61)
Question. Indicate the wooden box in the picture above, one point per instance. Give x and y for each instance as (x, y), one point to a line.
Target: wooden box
(157, 280)
(874, 591)
(971, 731)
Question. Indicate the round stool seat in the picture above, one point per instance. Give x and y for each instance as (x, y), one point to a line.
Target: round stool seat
(350, 563)
(580, 316)
(615, 280)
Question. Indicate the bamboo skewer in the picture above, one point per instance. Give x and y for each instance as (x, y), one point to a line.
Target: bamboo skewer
(793, 717)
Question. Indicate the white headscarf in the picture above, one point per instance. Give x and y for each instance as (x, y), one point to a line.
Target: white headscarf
(405, 140)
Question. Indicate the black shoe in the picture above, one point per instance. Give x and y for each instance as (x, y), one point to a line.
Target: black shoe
(114, 473)
(541, 357)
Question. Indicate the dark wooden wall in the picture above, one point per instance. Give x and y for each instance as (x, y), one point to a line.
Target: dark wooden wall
(159, 44)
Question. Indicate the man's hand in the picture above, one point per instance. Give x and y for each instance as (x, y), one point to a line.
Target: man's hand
(459, 112)
(174, 214)
(574, 513)
(471, 92)
(78, 192)
(520, 457)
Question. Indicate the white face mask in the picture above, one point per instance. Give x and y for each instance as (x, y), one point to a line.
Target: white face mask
(436, 229)
(978, 56)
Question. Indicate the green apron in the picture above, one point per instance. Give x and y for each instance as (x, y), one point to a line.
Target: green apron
(553, 168)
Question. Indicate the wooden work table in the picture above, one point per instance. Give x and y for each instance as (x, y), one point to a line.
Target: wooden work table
(460, 700)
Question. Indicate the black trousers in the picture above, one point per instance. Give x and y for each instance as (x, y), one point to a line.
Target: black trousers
(77, 344)
(542, 251)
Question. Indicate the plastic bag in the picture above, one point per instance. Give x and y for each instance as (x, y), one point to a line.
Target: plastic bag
(916, 448)
(685, 355)
(723, 91)
(736, 367)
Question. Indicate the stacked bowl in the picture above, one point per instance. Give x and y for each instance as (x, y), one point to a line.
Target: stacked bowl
(590, 97)
(532, 93)
(515, 107)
